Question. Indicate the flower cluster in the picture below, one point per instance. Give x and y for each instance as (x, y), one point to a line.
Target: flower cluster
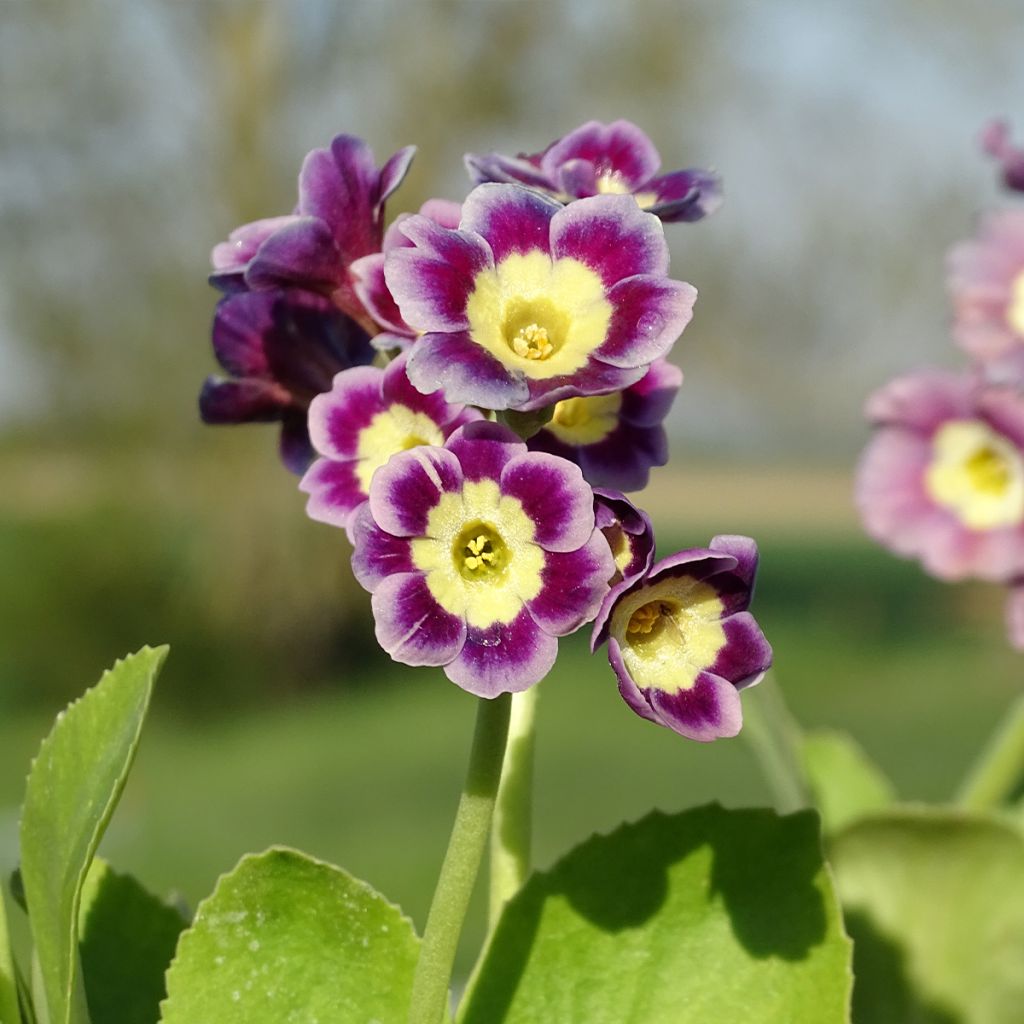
(468, 393)
(943, 478)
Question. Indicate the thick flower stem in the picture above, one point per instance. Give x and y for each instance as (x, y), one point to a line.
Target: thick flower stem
(513, 816)
(775, 738)
(1000, 769)
(461, 863)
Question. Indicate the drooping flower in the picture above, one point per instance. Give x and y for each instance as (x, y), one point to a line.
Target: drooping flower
(478, 556)
(943, 478)
(682, 642)
(615, 439)
(995, 140)
(597, 159)
(986, 283)
(339, 218)
(368, 274)
(367, 416)
(281, 348)
(628, 531)
(530, 302)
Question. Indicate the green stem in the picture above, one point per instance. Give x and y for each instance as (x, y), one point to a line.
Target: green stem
(461, 863)
(775, 737)
(513, 816)
(1000, 769)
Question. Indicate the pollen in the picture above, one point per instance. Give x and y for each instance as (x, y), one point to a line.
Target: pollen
(532, 342)
(645, 618)
(479, 553)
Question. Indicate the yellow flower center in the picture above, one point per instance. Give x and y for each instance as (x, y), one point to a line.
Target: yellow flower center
(977, 474)
(645, 618)
(669, 632)
(482, 552)
(582, 421)
(396, 429)
(479, 555)
(538, 316)
(1015, 309)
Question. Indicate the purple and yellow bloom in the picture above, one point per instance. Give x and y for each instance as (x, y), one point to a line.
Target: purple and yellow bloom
(368, 415)
(943, 478)
(995, 140)
(601, 159)
(986, 282)
(530, 302)
(682, 642)
(339, 218)
(281, 349)
(368, 274)
(478, 556)
(615, 439)
(628, 531)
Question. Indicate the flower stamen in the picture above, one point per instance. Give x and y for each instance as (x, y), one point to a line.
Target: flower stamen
(532, 342)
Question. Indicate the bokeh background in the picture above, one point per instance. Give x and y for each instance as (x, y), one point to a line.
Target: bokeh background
(134, 134)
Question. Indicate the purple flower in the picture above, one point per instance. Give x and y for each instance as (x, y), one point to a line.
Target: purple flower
(943, 478)
(530, 302)
(478, 555)
(281, 348)
(615, 439)
(598, 159)
(986, 282)
(338, 219)
(368, 274)
(682, 642)
(628, 531)
(368, 415)
(995, 140)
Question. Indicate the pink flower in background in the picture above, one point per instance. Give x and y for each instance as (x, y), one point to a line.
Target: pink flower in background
(986, 284)
(942, 480)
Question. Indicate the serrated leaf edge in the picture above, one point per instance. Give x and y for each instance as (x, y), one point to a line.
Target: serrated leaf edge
(160, 656)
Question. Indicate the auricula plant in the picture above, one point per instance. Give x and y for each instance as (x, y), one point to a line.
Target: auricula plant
(467, 393)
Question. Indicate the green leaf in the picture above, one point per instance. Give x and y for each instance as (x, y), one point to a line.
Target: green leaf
(73, 787)
(286, 937)
(126, 940)
(9, 1012)
(708, 915)
(845, 782)
(934, 901)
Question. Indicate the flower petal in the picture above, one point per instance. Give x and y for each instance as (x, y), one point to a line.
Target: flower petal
(504, 658)
(684, 195)
(746, 655)
(464, 371)
(411, 626)
(649, 315)
(409, 485)
(337, 417)
(303, 253)
(612, 236)
(484, 449)
(511, 219)
(241, 401)
(619, 150)
(432, 280)
(574, 584)
(334, 492)
(555, 496)
(376, 554)
(710, 710)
